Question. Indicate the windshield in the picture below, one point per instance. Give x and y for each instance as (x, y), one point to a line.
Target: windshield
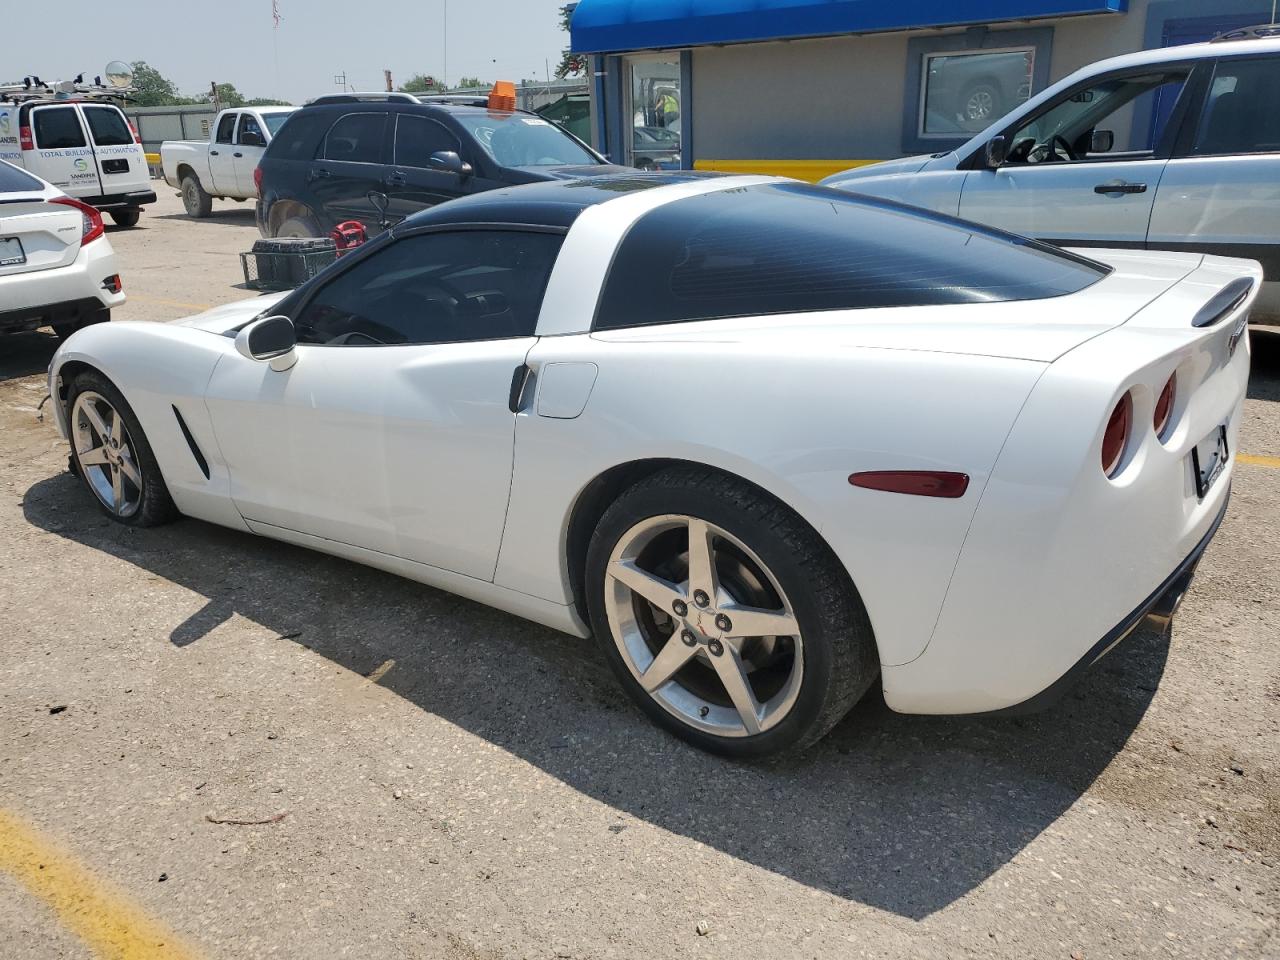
(519, 140)
(275, 121)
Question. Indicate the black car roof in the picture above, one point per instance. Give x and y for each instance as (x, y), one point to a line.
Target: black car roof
(553, 203)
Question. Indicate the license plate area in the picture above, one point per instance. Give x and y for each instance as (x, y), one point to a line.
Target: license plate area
(115, 165)
(1209, 458)
(11, 252)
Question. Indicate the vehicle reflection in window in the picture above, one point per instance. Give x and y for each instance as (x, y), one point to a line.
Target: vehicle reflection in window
(519, 140)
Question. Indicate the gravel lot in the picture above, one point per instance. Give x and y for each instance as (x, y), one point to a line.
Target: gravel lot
(459, 783)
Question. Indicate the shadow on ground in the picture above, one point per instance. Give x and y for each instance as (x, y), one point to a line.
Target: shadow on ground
(26, 354)
(905, 814)
(1264, 347)
(228, 214)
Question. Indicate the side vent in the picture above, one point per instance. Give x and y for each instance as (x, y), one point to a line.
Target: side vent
(201, 462)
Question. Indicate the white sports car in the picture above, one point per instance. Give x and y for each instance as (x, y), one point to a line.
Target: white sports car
(766, 441)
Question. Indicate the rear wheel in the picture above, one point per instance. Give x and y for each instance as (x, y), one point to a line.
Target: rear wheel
(110, 453)
(195, 201)
(300, 226)
(126, 218)
(725, 616)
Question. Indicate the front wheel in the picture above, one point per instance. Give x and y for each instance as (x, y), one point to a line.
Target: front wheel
(126, 218)
(110, 453)
(726, 617)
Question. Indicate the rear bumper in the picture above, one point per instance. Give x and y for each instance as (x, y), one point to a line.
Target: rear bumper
(1158, 609)
(121, 201)
(60, 294)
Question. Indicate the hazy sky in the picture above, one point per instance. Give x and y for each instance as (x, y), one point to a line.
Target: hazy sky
(231, 41)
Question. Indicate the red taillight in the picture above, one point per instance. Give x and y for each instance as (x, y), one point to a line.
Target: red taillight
(257, 181)
(91, 225)
(24, 139)
(1117, 435)
(921, 483)
(1164, 406)
(134, 130)
(113, 283)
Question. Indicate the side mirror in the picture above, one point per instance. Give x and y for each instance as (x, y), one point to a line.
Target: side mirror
(271, 340)
(450, 162)
(251, 139)
(1102, 141)
(997, 152)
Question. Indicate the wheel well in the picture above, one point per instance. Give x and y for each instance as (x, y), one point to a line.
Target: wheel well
(282, 210)
(68, 372)
(602, 492)
(184, 169)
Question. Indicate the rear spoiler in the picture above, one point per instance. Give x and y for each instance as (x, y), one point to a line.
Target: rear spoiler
(1222, 303)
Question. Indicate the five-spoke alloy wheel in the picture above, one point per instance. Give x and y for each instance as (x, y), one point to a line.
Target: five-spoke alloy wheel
(725, 615)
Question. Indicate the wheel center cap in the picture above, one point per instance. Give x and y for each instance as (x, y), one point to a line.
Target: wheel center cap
(706, 621)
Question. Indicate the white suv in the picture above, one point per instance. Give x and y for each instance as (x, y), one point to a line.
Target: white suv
(1170, 149)
(57, 268)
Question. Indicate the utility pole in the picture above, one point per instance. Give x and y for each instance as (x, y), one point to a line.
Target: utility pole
(213, 92)
(444, 35)
(386, 75)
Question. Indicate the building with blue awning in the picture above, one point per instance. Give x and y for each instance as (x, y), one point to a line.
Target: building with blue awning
(808, 87)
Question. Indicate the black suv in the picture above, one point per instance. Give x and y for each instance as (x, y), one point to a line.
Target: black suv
(379, 158)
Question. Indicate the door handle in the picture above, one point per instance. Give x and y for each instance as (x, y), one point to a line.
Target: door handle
(519, 380)
(213, 153)
(237, 154)
(317, 173)
(1105, 188)
(395, 179)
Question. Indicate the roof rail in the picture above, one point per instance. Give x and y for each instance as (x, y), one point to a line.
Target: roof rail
(457, 99)
(379, 96)
(1260, 31)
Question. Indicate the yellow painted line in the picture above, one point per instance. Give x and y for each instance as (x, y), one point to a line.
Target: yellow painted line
(172, 303)
(112, 926)
(811, 170)
(1258, 461)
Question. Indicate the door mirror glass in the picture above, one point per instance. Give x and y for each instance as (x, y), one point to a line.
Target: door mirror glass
(1102, 141)
(450, 162)
(997, 150)
(270, 339)
(251, 138)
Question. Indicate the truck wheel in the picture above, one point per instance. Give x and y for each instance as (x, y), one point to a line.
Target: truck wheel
(126, 218)
(302, 226)
(198, 204)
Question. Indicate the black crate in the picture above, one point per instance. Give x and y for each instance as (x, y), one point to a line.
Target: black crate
(285, 263)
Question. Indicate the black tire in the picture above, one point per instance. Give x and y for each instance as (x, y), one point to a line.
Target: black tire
(126, 218)
(64, 330)
(299, 226)
(840, 658)
(157, 505)
(195, 201)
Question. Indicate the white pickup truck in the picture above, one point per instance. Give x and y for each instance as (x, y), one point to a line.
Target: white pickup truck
(223, 165)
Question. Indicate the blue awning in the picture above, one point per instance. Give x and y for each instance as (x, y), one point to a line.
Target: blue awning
(609, 26)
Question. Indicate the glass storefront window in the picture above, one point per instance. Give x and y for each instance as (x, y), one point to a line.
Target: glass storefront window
(656, 109)
(962, 93)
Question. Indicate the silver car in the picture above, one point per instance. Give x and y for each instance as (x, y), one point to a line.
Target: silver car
(1170, 149)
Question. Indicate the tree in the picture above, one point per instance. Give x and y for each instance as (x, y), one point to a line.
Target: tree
(571, 64)
(266, 102)
(228, 96)
(420, 83)
(467, 83)
(154, 89)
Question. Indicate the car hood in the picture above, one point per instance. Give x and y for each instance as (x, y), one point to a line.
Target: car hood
(885, 167)
(231, 315)
(578, 171)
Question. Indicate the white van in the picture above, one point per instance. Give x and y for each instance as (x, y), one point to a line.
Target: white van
(83, 146)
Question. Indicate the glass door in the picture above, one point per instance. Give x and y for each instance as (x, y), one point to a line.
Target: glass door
(655, 108)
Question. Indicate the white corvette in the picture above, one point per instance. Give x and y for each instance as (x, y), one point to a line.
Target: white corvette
(766, 441)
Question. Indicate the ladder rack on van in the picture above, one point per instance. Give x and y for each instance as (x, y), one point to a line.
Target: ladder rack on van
(33, 88)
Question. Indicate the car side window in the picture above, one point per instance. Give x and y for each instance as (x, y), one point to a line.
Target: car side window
(447, 287)
(1240, 114)
(250, 131)
(1118, 118)
(57, 128)
(417, 138)
(226, 128)
(356, 138)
